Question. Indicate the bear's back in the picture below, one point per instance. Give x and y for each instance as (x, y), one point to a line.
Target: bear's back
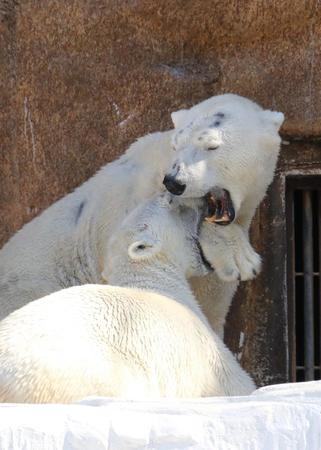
(103, 340)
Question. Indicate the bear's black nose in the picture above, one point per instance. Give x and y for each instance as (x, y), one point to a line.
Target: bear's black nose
(173, 186)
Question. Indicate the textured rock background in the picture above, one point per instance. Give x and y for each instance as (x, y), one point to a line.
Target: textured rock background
(80, 80)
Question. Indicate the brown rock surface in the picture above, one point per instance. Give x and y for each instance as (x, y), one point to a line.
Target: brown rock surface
(80, 80)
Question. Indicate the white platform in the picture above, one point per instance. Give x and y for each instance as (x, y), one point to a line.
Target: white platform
(284, 417)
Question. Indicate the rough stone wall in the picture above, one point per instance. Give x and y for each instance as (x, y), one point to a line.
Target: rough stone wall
(81, 79)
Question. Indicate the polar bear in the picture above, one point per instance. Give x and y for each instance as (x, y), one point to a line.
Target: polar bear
(65, 245)
(106, 340)
(229, 142)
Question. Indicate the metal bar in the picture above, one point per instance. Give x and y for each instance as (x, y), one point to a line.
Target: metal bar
(319, 235)
(291, 310)
(300, 274)
(308, 286)
(302, 367)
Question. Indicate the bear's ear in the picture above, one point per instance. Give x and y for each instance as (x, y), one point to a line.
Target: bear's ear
(143, 249)
(180, 118)
(272, 119)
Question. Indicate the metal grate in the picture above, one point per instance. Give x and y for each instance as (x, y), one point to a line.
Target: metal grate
(303, 224)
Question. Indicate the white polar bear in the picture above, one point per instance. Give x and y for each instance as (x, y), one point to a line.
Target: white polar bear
(229, 142)
(144, 338)
(64, 246)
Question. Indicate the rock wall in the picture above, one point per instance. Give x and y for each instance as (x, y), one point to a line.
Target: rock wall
(80, 80)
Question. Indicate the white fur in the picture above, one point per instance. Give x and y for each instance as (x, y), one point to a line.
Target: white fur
(145, 338)
(230, 142)
(57, 250)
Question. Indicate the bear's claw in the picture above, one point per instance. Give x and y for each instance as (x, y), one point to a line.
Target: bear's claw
(229, 252)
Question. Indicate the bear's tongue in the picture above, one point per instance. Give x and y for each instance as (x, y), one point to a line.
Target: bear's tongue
(220, 209)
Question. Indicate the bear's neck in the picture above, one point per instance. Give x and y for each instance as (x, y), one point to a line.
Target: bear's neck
(99, 205)
(167, 280)
(135, 177)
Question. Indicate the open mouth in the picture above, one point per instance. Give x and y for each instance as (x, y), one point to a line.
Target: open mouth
(220, 209)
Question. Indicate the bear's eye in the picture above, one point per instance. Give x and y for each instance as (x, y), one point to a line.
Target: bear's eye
(213, 147)
(141, 247)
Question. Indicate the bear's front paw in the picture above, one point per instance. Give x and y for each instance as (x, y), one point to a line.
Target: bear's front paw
(247, 260)
(229, 252)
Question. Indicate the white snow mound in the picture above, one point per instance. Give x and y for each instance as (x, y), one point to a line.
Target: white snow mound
(285, 416)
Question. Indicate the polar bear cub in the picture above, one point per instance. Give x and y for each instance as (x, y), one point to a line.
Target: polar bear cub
(144, 338)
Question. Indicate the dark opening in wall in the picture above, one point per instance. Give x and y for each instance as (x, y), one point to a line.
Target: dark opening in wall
(303, 225)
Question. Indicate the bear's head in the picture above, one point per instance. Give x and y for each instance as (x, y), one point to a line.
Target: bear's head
(157, 235)
(228, 142)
